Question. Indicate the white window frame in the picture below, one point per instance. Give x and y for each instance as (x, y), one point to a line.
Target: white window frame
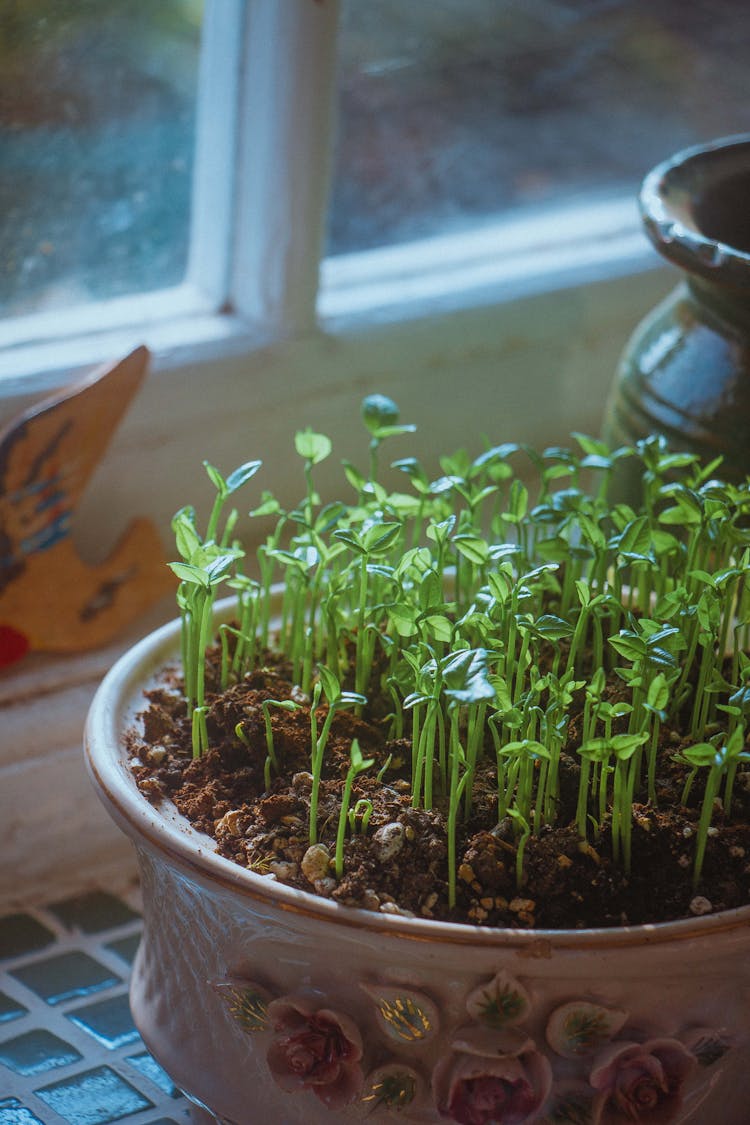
(264, 122)
(512, 331)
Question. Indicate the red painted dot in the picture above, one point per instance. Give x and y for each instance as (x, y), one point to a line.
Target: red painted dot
(13, 645)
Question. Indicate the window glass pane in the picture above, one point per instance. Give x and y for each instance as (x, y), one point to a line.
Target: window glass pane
(97, 117)
(452, 111)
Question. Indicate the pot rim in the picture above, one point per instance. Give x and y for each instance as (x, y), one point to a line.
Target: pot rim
(161, 829)
(667, 199)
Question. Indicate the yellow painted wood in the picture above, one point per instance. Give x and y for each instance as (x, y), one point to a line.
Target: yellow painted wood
(50, 599)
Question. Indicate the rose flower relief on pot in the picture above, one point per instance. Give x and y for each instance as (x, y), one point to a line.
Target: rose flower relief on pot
(443, 812)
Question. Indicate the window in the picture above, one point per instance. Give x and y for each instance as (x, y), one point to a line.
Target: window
(454, 112)
(97, 130)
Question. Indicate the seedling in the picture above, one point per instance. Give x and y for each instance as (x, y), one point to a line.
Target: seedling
(503, 626)
(357, 765)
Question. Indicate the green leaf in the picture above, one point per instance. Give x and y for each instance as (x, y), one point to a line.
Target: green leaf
(187, 539)
(217, 480)
(701, 754)
(415, 472)
(356, 479)
(218, 568)
(377, 411)
(636, 538)
(500, 583)
(632, 648)
(472, 547)
(194, 575)
(379, 537)
(404, 618)
(393, 431)
(241, 475)
(465, 678)
(441, 629)
(552, 628)
(313, 447)
(329, 683)
(658, 693)
(525, 747)
(269, 506)
(352, 539)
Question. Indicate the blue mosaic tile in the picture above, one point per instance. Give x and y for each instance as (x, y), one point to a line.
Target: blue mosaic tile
(13, 1113)
(93, 912)
(126, 947)
(20, 934)
(108, 1021)
(10, 1009)
(95, 1097)
(147, 1065)
(65, 976)
(37, 1051)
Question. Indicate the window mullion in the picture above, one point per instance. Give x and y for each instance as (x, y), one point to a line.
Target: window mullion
(214, 176)
(284, 132)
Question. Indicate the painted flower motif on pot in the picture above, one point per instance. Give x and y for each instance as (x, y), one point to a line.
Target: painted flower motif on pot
(572, 1103)
(390, 1089)
(579, 1028)
(247, 1002)
(492, 1078)
(500, 1003)
(315, 1049)
(707, 1044)
(640, 1082)
(405, 1016)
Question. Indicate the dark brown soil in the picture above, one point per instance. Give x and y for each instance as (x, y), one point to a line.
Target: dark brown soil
(400, 864)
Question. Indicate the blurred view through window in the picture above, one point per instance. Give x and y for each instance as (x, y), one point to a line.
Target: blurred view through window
(453, 111)
(97, 122)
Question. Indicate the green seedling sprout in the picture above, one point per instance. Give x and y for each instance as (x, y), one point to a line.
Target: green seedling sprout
(271, 762)
(510, 622)
(313, 448)
(721, 762)
(357, 765)
(524, 832)
(380, 416)
(224, 489)
(200, 580)
(327, 685)
(622, 748)
(359, 816)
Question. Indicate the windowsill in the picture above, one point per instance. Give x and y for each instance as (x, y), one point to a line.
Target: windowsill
(496, 262)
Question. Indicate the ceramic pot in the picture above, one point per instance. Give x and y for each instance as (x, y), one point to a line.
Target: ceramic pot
(266, 1004)
(685, 373)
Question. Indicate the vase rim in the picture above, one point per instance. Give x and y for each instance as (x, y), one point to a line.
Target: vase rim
(688, 205)
(162, 830)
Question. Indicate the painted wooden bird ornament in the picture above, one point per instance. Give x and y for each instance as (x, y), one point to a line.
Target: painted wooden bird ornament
(50, 599)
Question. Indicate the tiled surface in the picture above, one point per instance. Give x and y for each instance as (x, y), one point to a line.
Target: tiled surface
(69, 1051)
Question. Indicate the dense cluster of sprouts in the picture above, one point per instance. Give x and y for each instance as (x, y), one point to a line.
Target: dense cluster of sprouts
(495, 616)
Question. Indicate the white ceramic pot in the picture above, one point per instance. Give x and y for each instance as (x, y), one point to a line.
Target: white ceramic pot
(268, 1005)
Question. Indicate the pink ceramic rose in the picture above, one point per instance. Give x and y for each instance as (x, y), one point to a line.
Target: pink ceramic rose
(640, 1082)
(315, 1049)
(492, 1078)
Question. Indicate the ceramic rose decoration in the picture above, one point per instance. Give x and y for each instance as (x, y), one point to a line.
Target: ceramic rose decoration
(591, 1066)
(315, 1049)
(640, 1082)
(492, 1077)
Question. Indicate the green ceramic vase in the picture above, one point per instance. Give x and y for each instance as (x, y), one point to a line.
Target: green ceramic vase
(685, 373)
